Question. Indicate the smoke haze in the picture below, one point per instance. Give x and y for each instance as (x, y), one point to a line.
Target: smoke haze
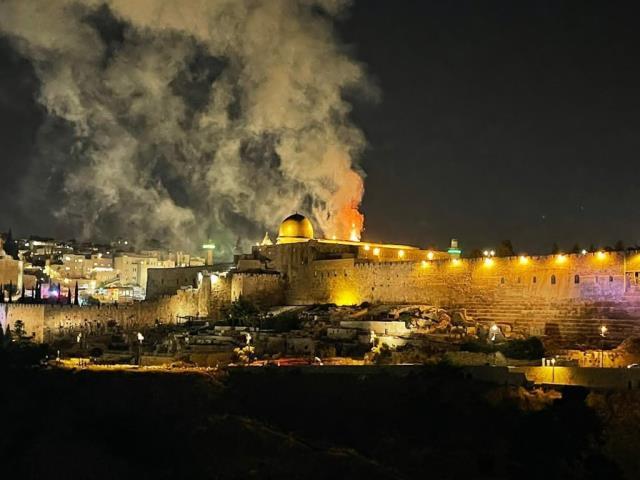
(183, 120)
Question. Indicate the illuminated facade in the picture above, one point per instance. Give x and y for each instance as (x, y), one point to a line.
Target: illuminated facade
(539, 295)
(11, 270)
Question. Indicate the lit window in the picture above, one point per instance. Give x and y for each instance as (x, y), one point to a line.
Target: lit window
(576, 279)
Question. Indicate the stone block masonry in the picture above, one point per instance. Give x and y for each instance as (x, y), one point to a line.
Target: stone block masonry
(41, 320)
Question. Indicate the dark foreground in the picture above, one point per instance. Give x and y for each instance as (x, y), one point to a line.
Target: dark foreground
(284, 424)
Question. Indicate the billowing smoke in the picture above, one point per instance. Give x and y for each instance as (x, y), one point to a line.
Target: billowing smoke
(192, 119)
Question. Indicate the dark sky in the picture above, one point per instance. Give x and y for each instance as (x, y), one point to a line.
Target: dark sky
(497, 120)
(501, 120)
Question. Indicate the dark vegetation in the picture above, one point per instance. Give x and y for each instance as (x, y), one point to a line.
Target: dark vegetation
(247, 314)
(277, 423)
(531, 348)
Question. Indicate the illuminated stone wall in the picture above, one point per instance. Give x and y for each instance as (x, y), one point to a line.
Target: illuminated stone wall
(42, 320)
(561, 296)
(166, 281)
(11, 272)
(266, 289)
(31, 315)
(564, 296)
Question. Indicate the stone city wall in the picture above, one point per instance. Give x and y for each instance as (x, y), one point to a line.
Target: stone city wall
(166, 281)
(43, 320)
(11, 272)
(564, 296)
(264, 289)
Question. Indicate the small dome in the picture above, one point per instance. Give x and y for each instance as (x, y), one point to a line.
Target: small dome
(295, 228)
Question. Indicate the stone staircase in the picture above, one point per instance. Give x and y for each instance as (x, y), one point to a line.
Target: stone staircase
(564, 320)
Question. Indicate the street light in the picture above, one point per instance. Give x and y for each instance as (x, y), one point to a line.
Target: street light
(553, 370)
(494, 332)
(140, 339)
(603, 334)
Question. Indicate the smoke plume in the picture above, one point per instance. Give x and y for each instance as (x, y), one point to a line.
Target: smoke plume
(193, 119)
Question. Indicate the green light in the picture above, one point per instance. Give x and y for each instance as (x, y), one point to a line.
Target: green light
(209, 246)
(454, 251)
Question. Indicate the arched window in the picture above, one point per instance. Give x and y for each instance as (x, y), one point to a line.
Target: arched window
(610, 278)
(519, 279)
(502, 280)
(553, 279)
(535, 279)
(576, 279)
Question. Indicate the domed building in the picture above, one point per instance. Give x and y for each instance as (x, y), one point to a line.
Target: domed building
(295, 228)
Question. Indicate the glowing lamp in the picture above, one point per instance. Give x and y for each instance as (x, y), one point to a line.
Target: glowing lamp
(492, 253)
(486, 253)
(561, 258)
(376, 251)
(488, 262)
(455, 262)
(400, 253)
(523, 260)
(424, 263)
(367, 248)
(429, 255)
(601, 255)
(603, 330)
(583, 252)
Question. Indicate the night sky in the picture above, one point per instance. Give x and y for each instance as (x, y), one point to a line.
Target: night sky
(495, 120)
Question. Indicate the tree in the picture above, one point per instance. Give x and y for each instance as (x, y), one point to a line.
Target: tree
(11, 246)
(505, 249)
(7, 335)
(555, 249)
(69, 300)
(242, 312)
(19, 329)
(576, 248)
(619, 246)
(475, 253)
(95, 352)
(76, 297)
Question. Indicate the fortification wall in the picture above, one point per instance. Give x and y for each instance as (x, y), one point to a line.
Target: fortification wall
(43, 320)
(31, 315)
(266, 289)
(11, 272)
(166, 281)
(564, 296)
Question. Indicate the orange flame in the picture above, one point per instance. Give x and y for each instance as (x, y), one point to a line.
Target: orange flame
(350, 222)
(345, 221)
